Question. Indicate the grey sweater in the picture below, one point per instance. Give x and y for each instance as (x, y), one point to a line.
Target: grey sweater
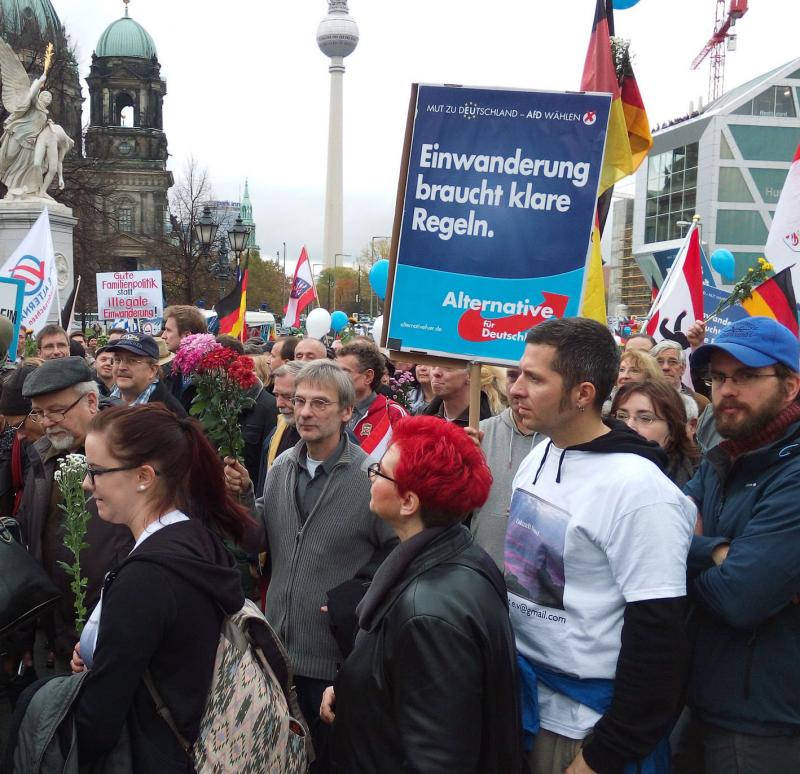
(504, 447)
(338, 539)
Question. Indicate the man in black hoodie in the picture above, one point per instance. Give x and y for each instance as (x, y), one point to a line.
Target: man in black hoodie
(595, 562)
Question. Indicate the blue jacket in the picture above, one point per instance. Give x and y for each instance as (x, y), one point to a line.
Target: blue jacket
(745, 673)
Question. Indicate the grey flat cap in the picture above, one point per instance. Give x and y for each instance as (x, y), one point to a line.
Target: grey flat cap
(55, 375)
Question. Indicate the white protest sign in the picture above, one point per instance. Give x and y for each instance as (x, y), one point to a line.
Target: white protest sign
(129, 295)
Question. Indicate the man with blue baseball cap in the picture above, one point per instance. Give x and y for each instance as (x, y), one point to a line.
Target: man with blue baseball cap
(136, 373)
(744, 562)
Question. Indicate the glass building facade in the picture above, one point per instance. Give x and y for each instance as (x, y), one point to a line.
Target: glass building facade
(727, 165)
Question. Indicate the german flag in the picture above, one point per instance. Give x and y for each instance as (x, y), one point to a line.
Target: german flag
(231, 309)
(628, 139)
(775, 298)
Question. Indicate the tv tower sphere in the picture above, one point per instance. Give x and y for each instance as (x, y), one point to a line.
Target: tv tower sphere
(337, 34)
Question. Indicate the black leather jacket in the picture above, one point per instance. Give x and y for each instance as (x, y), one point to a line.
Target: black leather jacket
(431, 685)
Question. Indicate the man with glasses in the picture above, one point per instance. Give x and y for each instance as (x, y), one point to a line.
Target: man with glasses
(64, 399)
(319, 531)
(284, 435)
(744, 563)
(135, 373)
(672, 361)
(52, 342)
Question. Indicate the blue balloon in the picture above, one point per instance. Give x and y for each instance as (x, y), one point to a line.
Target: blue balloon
(621, 5)
(724, 263)
(626, 330)
(339, 321)
(379, 278)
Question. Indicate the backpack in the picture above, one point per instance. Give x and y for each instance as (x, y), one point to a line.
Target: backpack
(251, 722)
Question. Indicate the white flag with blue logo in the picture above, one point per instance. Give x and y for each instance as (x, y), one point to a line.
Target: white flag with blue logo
(34, 262)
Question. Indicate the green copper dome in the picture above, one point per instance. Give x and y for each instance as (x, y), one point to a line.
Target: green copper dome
(125, 37)
(17, 15)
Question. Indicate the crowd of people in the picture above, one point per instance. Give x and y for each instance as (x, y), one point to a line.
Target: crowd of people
(603, 577)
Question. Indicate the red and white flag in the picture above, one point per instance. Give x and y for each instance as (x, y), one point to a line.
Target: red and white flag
(783, 242)
(303, 291)
(680, 301)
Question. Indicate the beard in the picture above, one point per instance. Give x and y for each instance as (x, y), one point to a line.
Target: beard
(751, 420)
(61, 440)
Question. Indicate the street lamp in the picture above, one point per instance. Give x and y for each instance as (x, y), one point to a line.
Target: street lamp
(221, 268)
(238, 236)
(343, 255)
(205, 230)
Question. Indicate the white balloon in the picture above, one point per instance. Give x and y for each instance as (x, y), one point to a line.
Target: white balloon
(318, 323)
(377, 329)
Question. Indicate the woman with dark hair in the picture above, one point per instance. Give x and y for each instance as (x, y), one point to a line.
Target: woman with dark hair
(655, 410)
(161, 610)
(431, 683)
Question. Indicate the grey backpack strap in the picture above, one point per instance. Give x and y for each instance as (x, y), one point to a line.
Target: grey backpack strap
(163, 712)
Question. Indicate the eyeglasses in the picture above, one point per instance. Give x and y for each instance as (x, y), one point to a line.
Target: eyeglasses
(54, 416)
(129, 361)
(19, 424)
(283, 395)
(318, 405)
(93, 472)
(375, 470)
(637, 419)
(740, 378)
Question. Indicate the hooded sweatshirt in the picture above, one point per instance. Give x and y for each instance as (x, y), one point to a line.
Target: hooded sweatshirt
(504, 447)
(162, 610)
(595, 564)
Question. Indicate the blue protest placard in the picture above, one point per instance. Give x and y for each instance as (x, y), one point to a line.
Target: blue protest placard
(496, 221)
(711, 299)
(12, 295)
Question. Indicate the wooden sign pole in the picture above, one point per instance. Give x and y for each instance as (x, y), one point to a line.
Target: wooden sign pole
(474, 395)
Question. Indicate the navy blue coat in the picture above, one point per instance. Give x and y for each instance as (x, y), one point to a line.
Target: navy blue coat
(745, 673)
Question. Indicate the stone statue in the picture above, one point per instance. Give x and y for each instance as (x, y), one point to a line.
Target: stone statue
(32, 147)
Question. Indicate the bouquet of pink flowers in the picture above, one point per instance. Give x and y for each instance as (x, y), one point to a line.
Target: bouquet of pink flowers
(222, 379)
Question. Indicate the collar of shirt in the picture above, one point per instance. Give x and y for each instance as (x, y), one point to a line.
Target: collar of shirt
(326, 465)
(360, 410)
(143, 398)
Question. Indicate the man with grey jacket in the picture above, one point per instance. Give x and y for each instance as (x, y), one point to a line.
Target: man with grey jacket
(505, 443)
(317, 529)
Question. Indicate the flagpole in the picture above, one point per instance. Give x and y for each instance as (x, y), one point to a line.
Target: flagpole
(684, 246)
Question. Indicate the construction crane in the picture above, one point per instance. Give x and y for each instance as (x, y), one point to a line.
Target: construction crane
(721, 41)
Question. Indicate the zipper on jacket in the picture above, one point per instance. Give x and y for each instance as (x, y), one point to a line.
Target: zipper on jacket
(748, 664)
(297, 539)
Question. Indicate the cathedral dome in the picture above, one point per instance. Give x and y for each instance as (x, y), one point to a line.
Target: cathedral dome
(17, 16)
(126, 37)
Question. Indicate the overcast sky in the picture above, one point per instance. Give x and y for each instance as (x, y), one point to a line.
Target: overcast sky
(248, 86)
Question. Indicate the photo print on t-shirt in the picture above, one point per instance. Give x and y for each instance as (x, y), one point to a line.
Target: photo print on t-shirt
(534, 552)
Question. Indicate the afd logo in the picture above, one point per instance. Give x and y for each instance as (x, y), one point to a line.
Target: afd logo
(31, 270)
(590, 118)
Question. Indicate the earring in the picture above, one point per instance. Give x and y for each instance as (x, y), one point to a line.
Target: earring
(141, 487)
(581, 408)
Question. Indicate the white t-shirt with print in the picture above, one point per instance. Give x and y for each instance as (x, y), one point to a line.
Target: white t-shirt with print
(613, 530)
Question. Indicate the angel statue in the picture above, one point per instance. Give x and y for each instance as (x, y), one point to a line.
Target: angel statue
(32, 147)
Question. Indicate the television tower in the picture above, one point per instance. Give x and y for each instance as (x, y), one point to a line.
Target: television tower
(337, 37)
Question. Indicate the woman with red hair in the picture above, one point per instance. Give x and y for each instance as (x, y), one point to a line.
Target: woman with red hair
(431, 683)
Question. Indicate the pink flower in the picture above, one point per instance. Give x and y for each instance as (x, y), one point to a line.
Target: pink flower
(193, 348)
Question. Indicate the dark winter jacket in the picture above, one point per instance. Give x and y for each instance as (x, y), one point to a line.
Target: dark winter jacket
(42, 738)
(431, 685)
(162, 610)
(436, 409)
(108, 543)
(173, 381)
(257, 423)
(746, 620)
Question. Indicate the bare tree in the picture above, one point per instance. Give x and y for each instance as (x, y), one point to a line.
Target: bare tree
(184, 266)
